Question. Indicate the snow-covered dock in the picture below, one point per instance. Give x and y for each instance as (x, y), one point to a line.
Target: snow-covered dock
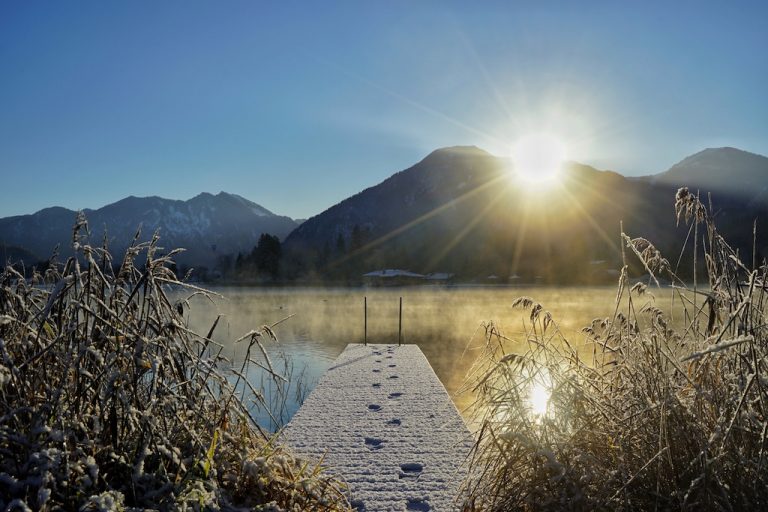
(385, 425)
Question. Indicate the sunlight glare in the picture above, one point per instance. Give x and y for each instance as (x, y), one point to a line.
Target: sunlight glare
(539, 399)
(538, 157)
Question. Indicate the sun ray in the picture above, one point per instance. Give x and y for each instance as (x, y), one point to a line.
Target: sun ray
(592, 222)
(466, 229)
(545, 231)
(597, 196)
(413, 103)
(521, 232)
(486, 75)
(523, 224)
(423, 218)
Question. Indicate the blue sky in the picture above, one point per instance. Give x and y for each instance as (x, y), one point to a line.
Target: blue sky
(297, 105)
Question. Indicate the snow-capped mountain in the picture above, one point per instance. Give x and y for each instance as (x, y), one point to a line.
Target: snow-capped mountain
(207, 226)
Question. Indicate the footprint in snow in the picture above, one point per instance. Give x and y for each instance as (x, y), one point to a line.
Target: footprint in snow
(418, 505)
(410, 470)
(373, 443)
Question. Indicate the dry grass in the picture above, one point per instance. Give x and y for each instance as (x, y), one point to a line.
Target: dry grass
(108, 401)
(663, 414)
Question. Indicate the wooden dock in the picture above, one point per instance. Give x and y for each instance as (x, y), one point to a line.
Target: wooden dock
(385, 425)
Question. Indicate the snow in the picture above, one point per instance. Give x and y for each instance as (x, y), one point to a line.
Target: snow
(176, 221)
(258, 211)
(385, 424)
(393, 273)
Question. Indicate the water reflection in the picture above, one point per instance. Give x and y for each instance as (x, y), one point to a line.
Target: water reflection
(538, 398)
(315, 325)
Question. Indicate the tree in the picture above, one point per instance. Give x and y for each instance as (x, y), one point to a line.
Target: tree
(224, 264)
(356, 238)
(321, 259)
(266, 255)
(359, 237)
(341, 247)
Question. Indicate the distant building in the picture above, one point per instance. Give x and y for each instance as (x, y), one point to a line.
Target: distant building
(397, 277)
(439, 277)
(392, 277)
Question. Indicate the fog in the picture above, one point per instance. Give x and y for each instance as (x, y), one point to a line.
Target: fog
(315, 324)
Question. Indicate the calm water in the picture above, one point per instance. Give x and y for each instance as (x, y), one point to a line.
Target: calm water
(446, 323)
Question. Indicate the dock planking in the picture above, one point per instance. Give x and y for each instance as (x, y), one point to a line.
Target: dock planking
(385, 424)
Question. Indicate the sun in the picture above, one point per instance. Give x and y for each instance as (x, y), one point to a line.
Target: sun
(538, 158)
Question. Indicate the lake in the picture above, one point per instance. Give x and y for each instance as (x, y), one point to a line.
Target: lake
(446, 323)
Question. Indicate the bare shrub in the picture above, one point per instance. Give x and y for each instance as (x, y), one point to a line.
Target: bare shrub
(654, 413)
(108, 401)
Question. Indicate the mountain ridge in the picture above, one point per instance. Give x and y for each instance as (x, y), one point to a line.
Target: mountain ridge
(457, 211)
(208, 226)
(725, 168)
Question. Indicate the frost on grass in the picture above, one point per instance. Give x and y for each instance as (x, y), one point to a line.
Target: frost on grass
(108, 401)
(653, 412)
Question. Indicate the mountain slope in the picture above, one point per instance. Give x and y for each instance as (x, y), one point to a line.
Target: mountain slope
(13, 255)
(461, 211)
(443, 176)
(207, 226)
(728, 170)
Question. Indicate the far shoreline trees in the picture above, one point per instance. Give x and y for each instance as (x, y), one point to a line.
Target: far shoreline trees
(263, 262)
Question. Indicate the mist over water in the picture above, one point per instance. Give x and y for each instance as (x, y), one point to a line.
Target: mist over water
(446, 323)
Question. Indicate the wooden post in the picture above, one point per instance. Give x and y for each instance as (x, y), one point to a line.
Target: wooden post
(400, 328)
(365, 316)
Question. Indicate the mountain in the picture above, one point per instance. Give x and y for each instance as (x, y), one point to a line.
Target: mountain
(207, 226)
(13, 255)
(458, 211)
(441, 177)
(461, 211)
(728, 170)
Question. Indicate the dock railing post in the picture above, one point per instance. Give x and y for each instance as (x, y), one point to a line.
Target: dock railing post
(400, 327)
(365, 316)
